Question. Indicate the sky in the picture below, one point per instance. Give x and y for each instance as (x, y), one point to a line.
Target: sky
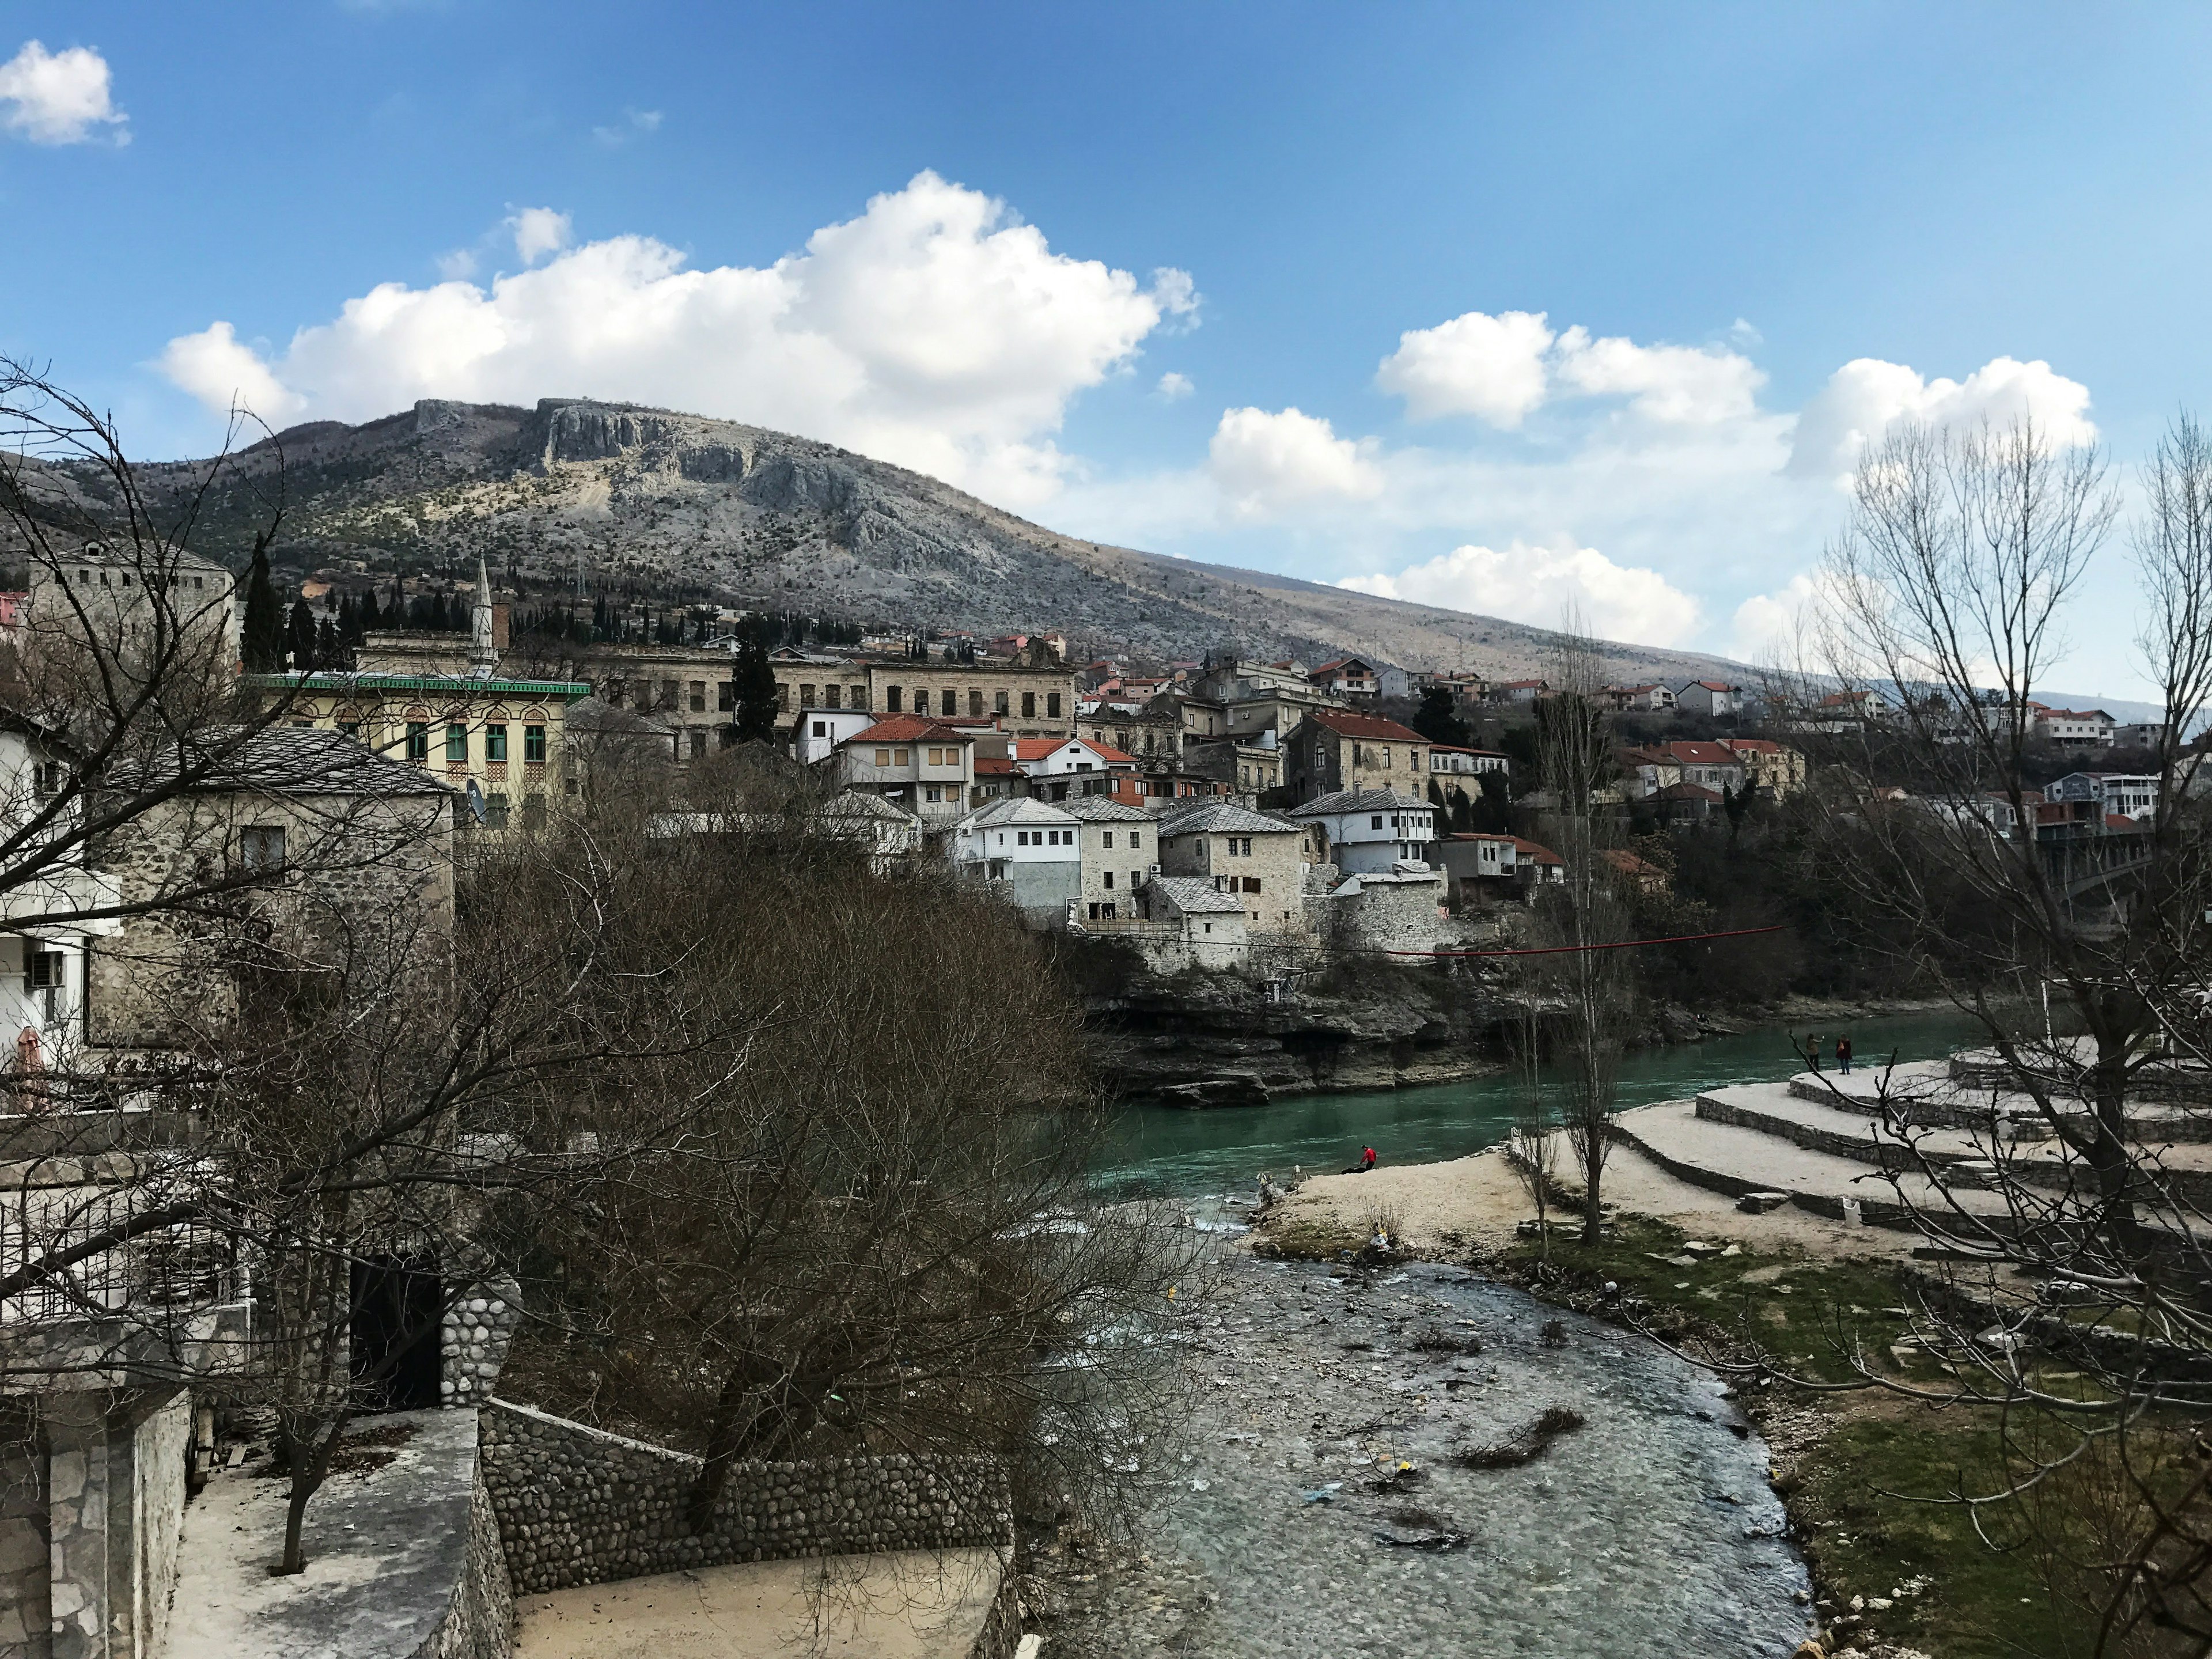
(1503, 307)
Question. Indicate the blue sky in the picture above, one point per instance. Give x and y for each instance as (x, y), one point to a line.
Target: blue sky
(980, 240)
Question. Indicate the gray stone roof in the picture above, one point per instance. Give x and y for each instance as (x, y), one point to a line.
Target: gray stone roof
(1361, 800)
(1019, 808)
(1222, 819)
(1195, 896)
(298, 760)
(859, 803)
(1101, 809)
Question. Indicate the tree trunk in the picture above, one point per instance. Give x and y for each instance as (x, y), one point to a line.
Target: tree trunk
(1593, 1168)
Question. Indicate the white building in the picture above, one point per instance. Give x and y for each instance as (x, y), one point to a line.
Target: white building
(1059, 767)
(1368, 831)
(2076, 728)
(1641, 699)
(42, 951)
(919, 764)
(2132, 795)
(1451, 760)
(820, 731)
(1031, 849)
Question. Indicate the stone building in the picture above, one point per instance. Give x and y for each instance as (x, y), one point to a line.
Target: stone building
(1365, 831)
(1120, 848)
(1026, 701)
(1032, 852)
(1337, 750)
(1239, 851)
(1213, 928)
(121, 598)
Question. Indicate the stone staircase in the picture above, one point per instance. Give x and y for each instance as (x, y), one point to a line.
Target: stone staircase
(1825, 1145)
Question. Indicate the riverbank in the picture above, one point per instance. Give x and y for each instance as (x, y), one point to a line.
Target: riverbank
(1812, 1295)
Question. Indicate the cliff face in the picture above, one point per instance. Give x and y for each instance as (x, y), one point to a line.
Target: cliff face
(588, 493)
(1215, 1040)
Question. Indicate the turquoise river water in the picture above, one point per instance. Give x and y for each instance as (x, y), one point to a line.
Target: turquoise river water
(1173, 1150)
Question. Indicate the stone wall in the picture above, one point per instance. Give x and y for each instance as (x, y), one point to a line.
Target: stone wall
(160, 1445)
(472, 1341)
(479, 1624)
(1386, 912)
(578, 1506)
(23, 1616)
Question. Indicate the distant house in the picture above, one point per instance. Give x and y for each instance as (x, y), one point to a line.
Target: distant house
(1519, 691)
(1120, 850)
(1347, 677)
(1476, 865)
(1057, 767)
(2133, 796)
(1368, 831)
(1711, 765)
(1451, 758)
(1213, 923)
(1334, 749)
(1535, 865)
(2075, 728)
(2147, 735)
(920, 764)
(1775, 770)
(1680, 804)
(1033, 851)
(1713, 698)
(818, 731)
(1252, 854)
(1636, 870)
(1640, 699)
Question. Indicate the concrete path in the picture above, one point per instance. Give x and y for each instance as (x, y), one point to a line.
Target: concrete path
(917, 1604)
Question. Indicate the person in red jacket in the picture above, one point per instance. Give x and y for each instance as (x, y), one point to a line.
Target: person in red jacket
(1366, 1160)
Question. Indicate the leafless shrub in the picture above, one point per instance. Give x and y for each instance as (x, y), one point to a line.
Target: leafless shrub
(1525, 1445)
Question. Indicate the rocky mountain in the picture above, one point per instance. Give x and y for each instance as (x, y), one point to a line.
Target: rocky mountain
(589, 496)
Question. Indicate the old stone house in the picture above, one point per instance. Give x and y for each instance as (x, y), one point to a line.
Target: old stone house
(1120, 847)
(1335, 750)
(1239, 851)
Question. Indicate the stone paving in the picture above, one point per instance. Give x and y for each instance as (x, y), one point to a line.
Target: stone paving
(1650, 1530)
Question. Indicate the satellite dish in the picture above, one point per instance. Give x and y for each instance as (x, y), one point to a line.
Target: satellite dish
(476, 801)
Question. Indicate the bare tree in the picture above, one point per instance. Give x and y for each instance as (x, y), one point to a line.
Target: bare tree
(1587, 983)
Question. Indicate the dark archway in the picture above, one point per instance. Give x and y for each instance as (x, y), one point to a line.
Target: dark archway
(397, 1308)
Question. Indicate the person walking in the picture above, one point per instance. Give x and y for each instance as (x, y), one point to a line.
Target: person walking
(1843, 1056)
(1813, 1054)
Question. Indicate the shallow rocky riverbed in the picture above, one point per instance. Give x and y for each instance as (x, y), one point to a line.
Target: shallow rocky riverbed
(1651, 1529)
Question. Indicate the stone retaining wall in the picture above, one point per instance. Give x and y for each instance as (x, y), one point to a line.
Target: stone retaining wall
(479, 1622)
(578, 1506)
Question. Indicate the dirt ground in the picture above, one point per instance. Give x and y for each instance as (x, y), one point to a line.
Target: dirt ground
(918, 1605)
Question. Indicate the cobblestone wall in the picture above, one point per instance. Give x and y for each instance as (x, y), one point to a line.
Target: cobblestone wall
(472, 1341)
(480, 1622)
(577, 1506)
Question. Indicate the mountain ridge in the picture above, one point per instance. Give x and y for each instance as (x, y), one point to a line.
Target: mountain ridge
(579, 494)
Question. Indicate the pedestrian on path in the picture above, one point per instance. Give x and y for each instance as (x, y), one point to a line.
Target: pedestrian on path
(1843, 1056)
(1813, 1054)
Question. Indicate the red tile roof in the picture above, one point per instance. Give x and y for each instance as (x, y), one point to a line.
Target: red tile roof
(1535, 854)
(910, 728)
(990, 766)
(1345, 723)
(1754, 745)
(1031, 749)
(1686, 753)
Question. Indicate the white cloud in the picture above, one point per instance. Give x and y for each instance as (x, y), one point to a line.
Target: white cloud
(634, 124)
(1688, 386)
(538, 232)
(936, 331)
(1864, 398)
(59, 97)
(1178, 297)
(1492, 368)
(1174, 386)
(1264, 462)
(1774, 627)
(1502, 368)
(458, 265)
(1541, 583)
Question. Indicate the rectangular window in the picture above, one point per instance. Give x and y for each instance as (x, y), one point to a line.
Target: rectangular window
(975, 704)
(948, 702)
(698, 697)
(494, 811)
(698, 743)
(418, 741)
(782, 695)
(882, 757)
(891, 699)
(806, 696)
(1021, 837)
(903, 757)
(726, 696)
(350, 728)
(495, 742)
(999, 702)
(1051, 705)
(1108, 841)
(667, 701)
(47, 778)
(821, 728)
(1251, 884)
(1386, 757)
(1133, 840)
(261, 849)
(1110, 879)
(46, 971)
(533, 753)
(1028, 705)
(935, 792)
(457, 743)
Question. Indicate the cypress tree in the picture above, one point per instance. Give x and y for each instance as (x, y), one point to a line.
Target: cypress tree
(755, 712)
(328, 652)
(300, 635)
(263, 641)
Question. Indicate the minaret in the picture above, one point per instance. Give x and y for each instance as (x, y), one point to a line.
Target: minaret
(483, 654)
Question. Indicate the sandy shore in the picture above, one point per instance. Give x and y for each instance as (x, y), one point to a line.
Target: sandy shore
(1477, 1202)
